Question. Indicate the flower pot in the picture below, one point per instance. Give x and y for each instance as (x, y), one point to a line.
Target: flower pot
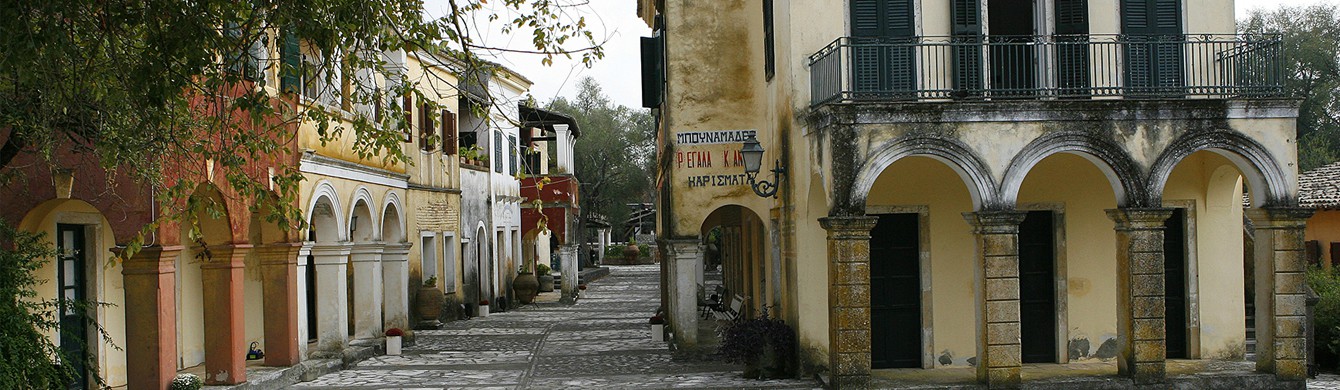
(392, 345)
(429, 305)
(658, 332)
(525, 285)
(483, 310)
(546, 282)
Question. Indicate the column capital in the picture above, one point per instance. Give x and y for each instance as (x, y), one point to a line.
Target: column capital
(226, 256)
(855, 227)
(1132, 218)
(367, 248)
(682, 247)
(1279, 217)
(995, 221)
(396, 249)
(324, 252)
(279, 253)
(150, 260)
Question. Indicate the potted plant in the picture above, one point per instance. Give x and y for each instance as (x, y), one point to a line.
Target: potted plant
(393, 336)
(657, 328)
(186, 382)
(545, 276)
(631, 252)
(483, 308)
(766, 346)
(430, 300)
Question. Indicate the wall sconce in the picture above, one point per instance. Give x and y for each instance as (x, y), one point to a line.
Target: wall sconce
(753, 158)
(353, 224)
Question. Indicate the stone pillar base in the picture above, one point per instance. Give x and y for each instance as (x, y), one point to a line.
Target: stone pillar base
(1140, 294)
(999, 354)
(225, 328)
(686, 256)
(848, 299)
(1281, 291)
(151, 321)
(567, 255)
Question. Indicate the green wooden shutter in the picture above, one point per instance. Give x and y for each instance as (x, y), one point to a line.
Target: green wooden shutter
(497, 152)
(967, 47)
(1072, 53)
(1154, 49)
(290, 68)
(882, 37)
(448, 132)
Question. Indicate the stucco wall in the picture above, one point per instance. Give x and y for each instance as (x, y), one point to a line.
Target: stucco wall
(1324, 227)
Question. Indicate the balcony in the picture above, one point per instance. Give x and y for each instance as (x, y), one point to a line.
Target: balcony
(853, 69)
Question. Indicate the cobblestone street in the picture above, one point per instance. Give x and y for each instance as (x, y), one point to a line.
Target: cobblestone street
(601, 342)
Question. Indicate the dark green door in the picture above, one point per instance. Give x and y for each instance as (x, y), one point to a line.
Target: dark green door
(1013, 58)
(882, 56)
(73, 320)
(1037, 291)
(895, 292)
(1072, 48)
(1174, 274)
(1154, 49)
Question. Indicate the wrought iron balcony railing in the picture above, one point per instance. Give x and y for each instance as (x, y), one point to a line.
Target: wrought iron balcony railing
(853, 69)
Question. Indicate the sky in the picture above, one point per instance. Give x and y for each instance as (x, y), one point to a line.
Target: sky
(619, 73)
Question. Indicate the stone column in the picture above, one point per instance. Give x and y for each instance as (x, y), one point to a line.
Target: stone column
(395, 286)
(1281, 287)
(304, 251)
(682, 285)
(225, 325)
(1141, 329)
(367, 263)
(279, 282)
(151, 317)
(999, 356)
(567, 257)
(332, 322)
(848, 299)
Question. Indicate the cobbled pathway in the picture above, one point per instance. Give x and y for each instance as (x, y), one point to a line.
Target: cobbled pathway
(601, 342)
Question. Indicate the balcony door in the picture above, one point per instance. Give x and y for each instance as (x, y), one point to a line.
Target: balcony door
(883, 33)
(1012, 51)
(73, 320)
(1072, 48)
(895, 292)
(1154, 50)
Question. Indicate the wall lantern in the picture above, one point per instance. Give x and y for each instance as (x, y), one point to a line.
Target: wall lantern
(753, 158)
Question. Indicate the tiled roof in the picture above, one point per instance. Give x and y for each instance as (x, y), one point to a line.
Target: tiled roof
(1320, 188)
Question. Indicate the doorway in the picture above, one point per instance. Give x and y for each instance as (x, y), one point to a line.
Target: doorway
(895, 292)
(1037, 291)
(1175, 274)
(310, 275)
(73, 290)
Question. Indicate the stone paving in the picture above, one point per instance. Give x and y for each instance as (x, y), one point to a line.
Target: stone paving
(1324, 382)
(601, 342)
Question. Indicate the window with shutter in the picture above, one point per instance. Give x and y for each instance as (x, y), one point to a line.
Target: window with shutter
(512, 149)
(1154, 49)
(290, 69)
(769, 56)
(882, 34)
(409, 117)
(426, 128)
(1072, 51)
(498, 160)
(449, 146)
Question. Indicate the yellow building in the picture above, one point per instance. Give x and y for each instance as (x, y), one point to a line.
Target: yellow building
(982, 183)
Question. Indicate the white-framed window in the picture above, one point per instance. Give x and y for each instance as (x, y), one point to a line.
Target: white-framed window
(449, 261)
(428, 255)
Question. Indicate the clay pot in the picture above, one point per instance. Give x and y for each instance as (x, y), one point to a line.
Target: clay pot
(429, 306)
(631, 253)
(525, 286)
(546, 282)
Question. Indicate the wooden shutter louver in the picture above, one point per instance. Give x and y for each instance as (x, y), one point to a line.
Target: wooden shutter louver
(882, 32)
(409, 117)
(769, 55)
(1072, 53)
(1154, 49)
(426, 127)
(449, 142)
(967, 53)
(290, 69)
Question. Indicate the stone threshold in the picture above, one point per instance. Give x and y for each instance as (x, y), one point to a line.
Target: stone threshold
(266, 378)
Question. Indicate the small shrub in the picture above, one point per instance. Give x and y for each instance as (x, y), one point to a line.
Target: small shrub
(1327, 321)
(542, 269)
(766, 343)
(431, 282)
(186, 382)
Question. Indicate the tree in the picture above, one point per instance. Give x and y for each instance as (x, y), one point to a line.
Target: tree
(614, 155)
(152, 89)
(1311, 49)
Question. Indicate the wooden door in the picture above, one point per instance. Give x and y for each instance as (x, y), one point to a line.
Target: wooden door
(1037, 287)
(895, 292)
(73, 289)
(1174, 273)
